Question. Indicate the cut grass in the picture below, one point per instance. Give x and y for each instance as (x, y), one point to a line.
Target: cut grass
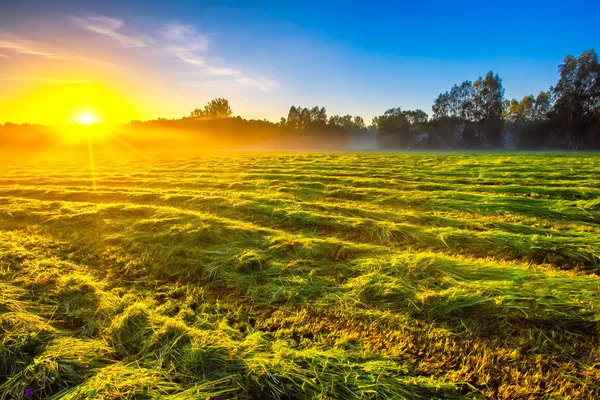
(289, 276)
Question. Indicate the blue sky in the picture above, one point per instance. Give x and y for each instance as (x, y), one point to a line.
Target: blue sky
(351, 57)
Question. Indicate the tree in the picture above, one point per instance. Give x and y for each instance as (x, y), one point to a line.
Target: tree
(488, 100)
(347, 123)
(394, 126)
(520, 111)
(458, 103)
(416, 117)
(527, 121)
(441, 106)
(542, 106)
(359, 123)
(577, 97)
(216, 108)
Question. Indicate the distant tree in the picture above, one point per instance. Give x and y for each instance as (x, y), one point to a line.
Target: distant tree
(470, 113)
(293, 119)
(416, 117)
(441, 106)
(393, 128)
(318, 116)
(542, 106)
(577, 98)
(488, 102)
(458, 103)
(461, 101)
(359, 122)
(315, 120)
(314, 125)
(300, 118)
(216, 108)
(519, 111)
(305, 118)
(197, 113)
(527, 120)
(347, 123)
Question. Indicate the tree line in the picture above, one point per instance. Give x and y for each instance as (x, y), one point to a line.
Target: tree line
(566, 116)
(476, 114)
(470, 115)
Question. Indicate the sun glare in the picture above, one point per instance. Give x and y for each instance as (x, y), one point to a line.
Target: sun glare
(86, 118)
(85, 125)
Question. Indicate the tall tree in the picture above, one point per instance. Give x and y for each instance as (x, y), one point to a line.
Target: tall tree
(441, 106)
(359, 122)
(542, 106)
(577, 97)
(488, 107)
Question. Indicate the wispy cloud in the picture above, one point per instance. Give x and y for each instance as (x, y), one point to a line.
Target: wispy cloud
(110, 27)
(178, 40)
(263, 84)
(186, 55)
(3, 55)
(184, 42)
(17, 45)
(183, 33)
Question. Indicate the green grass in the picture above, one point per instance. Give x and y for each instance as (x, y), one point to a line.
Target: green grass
(293, 276)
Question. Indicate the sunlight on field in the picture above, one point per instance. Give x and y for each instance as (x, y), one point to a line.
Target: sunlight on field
(249, 276)
(85, 132)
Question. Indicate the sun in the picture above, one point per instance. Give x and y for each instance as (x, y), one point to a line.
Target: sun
(85, 125)
(86, 118)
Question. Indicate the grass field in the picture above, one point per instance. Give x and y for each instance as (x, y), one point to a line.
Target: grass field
(292, 276)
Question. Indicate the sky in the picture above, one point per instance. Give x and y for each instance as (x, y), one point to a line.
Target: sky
(140, 60)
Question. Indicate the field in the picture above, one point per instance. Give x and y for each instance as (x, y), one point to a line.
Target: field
(292, 276)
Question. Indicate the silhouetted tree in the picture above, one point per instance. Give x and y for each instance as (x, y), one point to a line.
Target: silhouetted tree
(577, 98)
(542, 106)
(488, 101)
(470, 114)
(394, 126)
(216, 108)
(527, 121)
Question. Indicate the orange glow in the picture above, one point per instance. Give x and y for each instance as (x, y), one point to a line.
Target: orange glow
(64, 103)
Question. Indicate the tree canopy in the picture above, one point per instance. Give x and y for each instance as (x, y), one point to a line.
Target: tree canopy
(216, 108)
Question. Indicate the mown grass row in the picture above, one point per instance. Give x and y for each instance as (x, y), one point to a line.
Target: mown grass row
(550, 174)
(566, 249)
(568, 189)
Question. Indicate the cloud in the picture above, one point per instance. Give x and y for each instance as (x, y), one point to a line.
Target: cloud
(185, 43)
(27, 47)
(185, 34)
(223, 71)
(3, 55)
(107, 26)
(176, 39)
(186, 55)
(263, 84)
